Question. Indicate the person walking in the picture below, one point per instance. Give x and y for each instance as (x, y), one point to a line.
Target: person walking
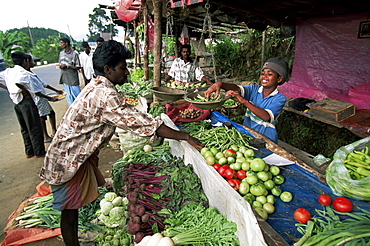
(71, 162)
(86, 63)
(42, 102)
(69, 63)
(17, 81)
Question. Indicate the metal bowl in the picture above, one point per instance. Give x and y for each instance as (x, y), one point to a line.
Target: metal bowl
(167, 94)
(205, 105)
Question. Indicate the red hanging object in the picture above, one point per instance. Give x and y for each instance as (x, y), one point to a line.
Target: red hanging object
(122, 10)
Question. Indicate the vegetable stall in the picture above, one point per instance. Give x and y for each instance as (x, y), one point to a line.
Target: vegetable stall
(235, 191)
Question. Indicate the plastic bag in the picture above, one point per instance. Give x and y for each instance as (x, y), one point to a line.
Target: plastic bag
(338, 178)
(174, 113)
(184, 35)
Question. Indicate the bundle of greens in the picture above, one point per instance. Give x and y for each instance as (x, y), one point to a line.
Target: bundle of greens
(133, 91)
(195, 224)
(331, 228)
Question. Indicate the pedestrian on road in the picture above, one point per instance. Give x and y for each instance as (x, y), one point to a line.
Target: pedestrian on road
(18, 82)
(86, 63)
(71, 162)
(42, 102)
(69, 63)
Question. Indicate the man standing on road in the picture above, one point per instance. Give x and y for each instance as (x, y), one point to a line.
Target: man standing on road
(69, 63)
(17, 81)
(86, 63)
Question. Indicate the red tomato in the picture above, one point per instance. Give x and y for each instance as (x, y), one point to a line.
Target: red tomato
(240, 174)
(324, 200)
(342, 204)
(230, 153)
(234, 183)
(216, 166)
(222, 169)
(229, 173)
(302, 215)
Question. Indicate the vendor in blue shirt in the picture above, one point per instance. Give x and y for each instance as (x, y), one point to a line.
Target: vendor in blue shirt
(264, 103)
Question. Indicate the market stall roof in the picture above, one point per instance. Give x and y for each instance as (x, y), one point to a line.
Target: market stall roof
(255, 14)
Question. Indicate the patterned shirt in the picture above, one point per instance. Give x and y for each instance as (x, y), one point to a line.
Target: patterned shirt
(88, 125)
(185, 72)
(69, 76)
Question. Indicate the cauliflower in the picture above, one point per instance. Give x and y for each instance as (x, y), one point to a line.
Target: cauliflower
(106, 208)
(110, 196)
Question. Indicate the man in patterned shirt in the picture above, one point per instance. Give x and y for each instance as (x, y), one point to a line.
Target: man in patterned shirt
(70, 165)
(185, 69)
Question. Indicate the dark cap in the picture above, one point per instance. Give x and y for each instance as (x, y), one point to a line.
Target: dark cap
(279, 65)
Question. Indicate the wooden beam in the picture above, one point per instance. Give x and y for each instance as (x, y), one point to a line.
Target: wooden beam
(157, 42)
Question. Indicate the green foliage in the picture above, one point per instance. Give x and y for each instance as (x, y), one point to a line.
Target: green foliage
(169, 44)
(240, 55)
(312, 136)
(39, 33)
(100, 22)
(10, 42)
(47, 49)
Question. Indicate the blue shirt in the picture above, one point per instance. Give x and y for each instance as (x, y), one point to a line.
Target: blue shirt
(273, 104)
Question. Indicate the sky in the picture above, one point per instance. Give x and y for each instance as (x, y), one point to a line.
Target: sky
(67, 16)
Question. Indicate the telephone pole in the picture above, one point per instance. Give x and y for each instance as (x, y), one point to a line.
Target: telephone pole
(29, 31)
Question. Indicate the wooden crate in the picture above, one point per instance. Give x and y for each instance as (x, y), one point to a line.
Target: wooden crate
(332, 109)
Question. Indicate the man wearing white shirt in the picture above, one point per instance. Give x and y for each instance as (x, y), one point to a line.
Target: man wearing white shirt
(86, 63)
(17, 81)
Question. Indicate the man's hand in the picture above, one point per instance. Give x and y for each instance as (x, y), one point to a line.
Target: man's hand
(235, 95)
(195, 142)
(213, 88)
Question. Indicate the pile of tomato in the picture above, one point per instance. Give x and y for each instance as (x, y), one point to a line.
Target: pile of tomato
(254, 179)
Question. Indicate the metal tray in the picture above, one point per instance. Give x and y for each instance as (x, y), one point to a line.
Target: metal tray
(167, 94)
(205, 105)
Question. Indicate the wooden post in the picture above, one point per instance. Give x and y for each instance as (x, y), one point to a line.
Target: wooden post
(157, 42)
(146, 41)
(136, 45)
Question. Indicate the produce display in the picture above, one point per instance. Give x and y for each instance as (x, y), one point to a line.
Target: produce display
(358, 164)
(335, 225)
(133, 91)
(182, 85)
(190, 113)
(212, 98)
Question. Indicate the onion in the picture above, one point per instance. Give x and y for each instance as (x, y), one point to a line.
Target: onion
(147, 148)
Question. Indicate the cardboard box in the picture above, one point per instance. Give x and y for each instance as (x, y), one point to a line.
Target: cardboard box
(332, 109)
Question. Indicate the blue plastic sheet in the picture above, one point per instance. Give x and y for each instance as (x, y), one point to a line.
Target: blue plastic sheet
(304, 186)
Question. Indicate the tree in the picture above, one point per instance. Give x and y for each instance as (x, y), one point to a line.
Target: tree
(10, 42)
(47, 49)
(99, 23)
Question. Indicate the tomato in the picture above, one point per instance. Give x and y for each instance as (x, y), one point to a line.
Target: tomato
(243, 188)
(262, 213)
(286, 196)
(270, 208)
(263, 176)
(275, 170)
(240, 174)
(302, 215)
(210, 160)
(216, 166)
(269, 184)
(229, 173)
(222, 169)
(248, 153)
(249, 198)
(251, 179)
(257, 189)
(258, 164)
(234, 183)
(324, 200)
(278, 179)
(342, 204)
(230, 153)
